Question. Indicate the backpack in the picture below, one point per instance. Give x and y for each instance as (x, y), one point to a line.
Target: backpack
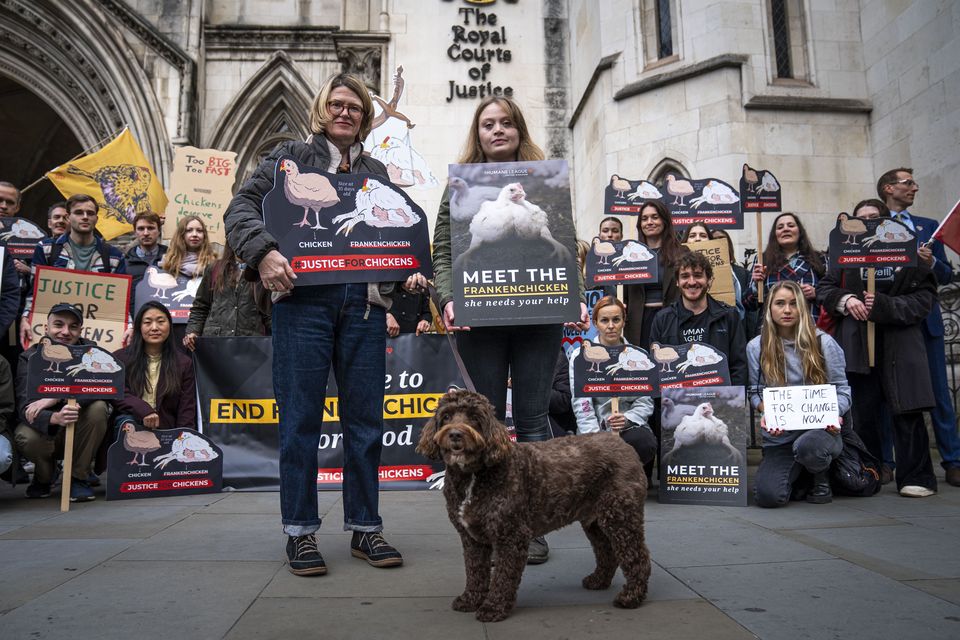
(855, 472)
(57, 248)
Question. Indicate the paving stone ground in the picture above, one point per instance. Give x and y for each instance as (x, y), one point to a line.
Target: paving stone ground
(213, 567)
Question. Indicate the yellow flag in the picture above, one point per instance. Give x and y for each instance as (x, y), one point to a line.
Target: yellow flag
(121, 180)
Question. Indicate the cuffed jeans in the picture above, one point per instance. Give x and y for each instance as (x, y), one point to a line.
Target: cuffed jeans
(782, 464)
(43, 450)
(527, 354)
(313, 329)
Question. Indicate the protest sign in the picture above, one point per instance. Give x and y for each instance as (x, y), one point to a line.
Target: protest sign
(20, 236)
(240, 414)
(513, 244)
(718, 253)
(871, 242)
(801, 407)
(201, 184)
(164, 463)
(622, 196)
(629, 262)
(345, 227)
(694, 364)
(704, 443)
(176, 294)
(103, 298)
(708, 200)
(759, 190)
(572, 338)
(623, 370)
(78, 371)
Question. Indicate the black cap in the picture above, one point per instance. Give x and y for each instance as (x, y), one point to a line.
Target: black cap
(66, 307)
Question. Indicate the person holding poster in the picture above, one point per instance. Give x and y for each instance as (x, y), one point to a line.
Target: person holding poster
(791, 351)
(899, 383)
(159, 391)
(319, 327)
(630, 416)
(147, 251)
(644, 300)
(498, 133)
(700, 232)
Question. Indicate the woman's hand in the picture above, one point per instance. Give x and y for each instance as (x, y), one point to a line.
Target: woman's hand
(616, 421)
(856, 308)
(771, 430)
(34, 408)
(759, 273)
(190, 341)
(449, 321)
(152, 421)
(835, 429)
(393, 327)
(422, 327)
(416, 283)
(584, 323)
(868, 300)
(809, 292)
(275, 272)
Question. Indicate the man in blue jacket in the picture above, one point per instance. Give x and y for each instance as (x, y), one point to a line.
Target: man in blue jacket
(898, 189)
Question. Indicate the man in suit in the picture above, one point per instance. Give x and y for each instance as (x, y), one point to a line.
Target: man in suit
(898, 189)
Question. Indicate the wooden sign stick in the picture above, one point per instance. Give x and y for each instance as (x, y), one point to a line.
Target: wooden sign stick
(615, 404)
(871, 326)
(67, 461)
(760, 255)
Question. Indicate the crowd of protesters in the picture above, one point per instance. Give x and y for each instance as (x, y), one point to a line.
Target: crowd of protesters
(810, 328)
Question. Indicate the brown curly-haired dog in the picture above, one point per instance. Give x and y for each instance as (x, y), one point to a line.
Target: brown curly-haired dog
(500, 495)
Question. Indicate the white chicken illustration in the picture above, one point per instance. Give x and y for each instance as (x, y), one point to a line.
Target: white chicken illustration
(188, 447)
(23, 229)
(703, 427)
(511, 215)
(95, 361)
(631, 359)
(888, 231)
(312, 191)
(768, 183)
(646, 191)
(405, 166)
(161, 281)
(189, 291)
(377, 206)
(465, 201)
(715, 193)
(699, 355)
(633, 252)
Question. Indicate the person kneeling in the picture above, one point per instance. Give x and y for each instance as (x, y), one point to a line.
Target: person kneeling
(40, 434)
(791, 351)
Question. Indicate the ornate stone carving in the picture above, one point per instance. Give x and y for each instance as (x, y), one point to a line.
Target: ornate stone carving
(363, 62)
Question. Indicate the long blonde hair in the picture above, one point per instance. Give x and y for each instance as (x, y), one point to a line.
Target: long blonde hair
(320, 117)
(473, 153)
(173, 258)
(773, 362)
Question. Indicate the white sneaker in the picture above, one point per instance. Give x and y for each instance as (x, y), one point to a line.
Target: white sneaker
(915, 491)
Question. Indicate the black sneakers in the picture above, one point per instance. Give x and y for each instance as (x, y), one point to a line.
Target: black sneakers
(370, 546)
(304, 557)
(539, 551)
(38, 490)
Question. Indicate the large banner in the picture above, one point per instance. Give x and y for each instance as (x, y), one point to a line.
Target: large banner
(201, 184)
(512, 244)
(871, 242)
(345, 227)
(718, 253)
(103, 298)
(708, 200)
(240, 414)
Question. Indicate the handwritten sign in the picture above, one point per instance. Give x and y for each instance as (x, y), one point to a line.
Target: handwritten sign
(718, 253)
(201, 184)
(803, 407)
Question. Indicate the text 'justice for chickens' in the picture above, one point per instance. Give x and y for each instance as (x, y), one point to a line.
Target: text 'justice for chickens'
(314, 264)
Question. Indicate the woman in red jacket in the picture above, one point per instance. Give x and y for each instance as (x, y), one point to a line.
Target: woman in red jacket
(159, 391)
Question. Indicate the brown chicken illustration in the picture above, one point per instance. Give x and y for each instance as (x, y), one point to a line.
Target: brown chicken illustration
(312, 191)
(55, 354)
(139, 443)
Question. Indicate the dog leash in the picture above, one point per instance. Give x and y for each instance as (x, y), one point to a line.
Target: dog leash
(451, 340)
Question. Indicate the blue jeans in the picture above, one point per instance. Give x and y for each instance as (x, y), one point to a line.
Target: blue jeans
(313, 329)
(781, 465)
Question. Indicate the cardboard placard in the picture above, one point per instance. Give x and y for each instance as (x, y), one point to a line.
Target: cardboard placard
(622, 196)
(513, 245)
(708, 200)
(164, 462)
(103, 298)
(718, 252)
(176, 294)
(345, 227)
(78, 371)
(20, 236)
(704, 444)
(628, 262)
(623, 370)
(694, 364)
(871, 242)
(201, 184)
(760, 190)
(801, 407)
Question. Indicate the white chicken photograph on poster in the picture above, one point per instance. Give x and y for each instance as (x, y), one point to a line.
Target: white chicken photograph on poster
(513, 243)
(703, 444)
(708, 200)
(336, 228)
(605, 371)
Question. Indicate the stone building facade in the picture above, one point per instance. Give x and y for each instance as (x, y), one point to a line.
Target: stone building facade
(825, 93)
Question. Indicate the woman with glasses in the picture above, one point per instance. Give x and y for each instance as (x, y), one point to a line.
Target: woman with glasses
(319, 328)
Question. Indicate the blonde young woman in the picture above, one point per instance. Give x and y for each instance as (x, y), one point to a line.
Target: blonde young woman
(791, 351)
(190, 251)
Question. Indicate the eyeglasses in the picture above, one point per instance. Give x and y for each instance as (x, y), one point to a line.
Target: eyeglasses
(909, 183)
(336, 108)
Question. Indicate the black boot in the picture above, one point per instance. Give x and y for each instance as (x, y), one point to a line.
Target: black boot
(820, 492)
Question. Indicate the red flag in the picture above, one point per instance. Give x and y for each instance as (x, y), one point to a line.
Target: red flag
(949, 230)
